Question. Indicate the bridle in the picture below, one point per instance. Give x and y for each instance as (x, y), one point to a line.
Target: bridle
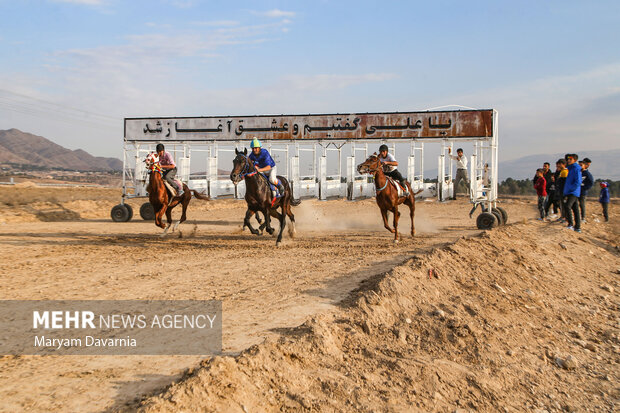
(153, 165)
(373, 170)
(246, 172)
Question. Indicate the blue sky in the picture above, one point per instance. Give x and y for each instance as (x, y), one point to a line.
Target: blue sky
(73, 69)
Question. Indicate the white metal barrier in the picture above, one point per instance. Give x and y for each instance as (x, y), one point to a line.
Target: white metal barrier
(309, 152)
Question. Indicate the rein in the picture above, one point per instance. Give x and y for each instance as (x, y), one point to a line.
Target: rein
(156, 167)
(246, 173)
(387, 181)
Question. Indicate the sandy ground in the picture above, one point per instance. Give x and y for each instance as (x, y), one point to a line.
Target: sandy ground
(61, 244)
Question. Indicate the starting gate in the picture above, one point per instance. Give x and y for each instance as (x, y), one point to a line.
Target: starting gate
(318, 154)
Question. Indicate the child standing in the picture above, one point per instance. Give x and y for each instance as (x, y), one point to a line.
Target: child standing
(541, 190)
(604, 200)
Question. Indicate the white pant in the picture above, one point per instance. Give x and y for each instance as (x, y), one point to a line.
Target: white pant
(272, 175)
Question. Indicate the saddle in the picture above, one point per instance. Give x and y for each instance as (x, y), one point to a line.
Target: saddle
(272, 187)
(398, 186)
(171, 191)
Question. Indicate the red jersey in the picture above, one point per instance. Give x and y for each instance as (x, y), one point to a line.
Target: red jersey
(541, 186)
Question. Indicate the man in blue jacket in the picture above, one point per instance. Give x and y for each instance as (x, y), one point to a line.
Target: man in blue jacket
(572, 190)
(586, 183)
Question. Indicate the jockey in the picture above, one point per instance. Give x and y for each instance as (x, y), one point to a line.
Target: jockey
(263, 162)
(389, 167)
(169, 167)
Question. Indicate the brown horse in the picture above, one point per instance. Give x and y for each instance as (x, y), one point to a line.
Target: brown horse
(387, 194)
(259, 199)
(160, 198)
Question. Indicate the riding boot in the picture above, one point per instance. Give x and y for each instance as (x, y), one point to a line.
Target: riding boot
(403, 183)
(281, 188)
(180, 191)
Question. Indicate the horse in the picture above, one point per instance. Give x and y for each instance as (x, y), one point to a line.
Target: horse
(259, 199)
(160, 198)
(387, 194)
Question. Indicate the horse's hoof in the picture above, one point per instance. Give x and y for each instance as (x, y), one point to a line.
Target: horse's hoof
(278, 244)
(395, 241)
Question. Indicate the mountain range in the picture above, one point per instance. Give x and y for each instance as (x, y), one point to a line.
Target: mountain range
(17, 147)
(26, 149)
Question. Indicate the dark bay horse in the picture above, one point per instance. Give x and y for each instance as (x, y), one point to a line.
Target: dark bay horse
(259, 199)
(160, 199)
(387, 194)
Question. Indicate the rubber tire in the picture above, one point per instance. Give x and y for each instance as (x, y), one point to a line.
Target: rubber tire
(486, 220)
(498, 216)
(119, 213)
(130, 209)
(504, 214)
(147, 212)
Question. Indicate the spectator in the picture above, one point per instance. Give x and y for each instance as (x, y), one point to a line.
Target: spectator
(560, 178)
(586, 183)
(572, 190)
(548, 174)
(541, 190)
(604, 200)
(461, 170)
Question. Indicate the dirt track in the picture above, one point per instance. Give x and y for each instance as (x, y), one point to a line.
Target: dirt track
(71, 250)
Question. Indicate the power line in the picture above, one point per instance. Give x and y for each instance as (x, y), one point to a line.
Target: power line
(65, 107)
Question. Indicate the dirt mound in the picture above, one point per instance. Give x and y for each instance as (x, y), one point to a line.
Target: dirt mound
(452, 329)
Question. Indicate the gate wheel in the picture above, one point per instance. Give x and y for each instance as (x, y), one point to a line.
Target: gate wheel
(504, 214)
(147, 212)
(486, 220)
(120, 213)
(130, 210)
(498, 215)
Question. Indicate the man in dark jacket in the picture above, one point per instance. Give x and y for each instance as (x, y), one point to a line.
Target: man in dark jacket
(560, 178)
(586, 183)
(572, 190)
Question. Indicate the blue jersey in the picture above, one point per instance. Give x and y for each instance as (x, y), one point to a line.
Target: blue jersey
(263, 159)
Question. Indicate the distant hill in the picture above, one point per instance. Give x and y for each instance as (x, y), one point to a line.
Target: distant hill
(605, 164)
(19, 147)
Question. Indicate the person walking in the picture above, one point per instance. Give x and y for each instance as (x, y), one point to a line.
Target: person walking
(572, 190)
(586, 183)
(461, 170)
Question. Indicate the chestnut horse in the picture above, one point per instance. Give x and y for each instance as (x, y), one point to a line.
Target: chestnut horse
(259, 199)
(387, 194)
(160, 199)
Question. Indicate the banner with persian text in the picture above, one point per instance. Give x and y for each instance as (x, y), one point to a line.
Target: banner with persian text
(438, 124)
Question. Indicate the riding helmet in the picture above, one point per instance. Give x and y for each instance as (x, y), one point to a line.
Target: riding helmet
(159, 147)
(255, 143)
(383, 148)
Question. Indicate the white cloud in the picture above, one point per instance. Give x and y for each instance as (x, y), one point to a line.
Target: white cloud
(555, 114)
(82, 2)
(183, 4)
(216, 23)
(275, 13)
(324, 82)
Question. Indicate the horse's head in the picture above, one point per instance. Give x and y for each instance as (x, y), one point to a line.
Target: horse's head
(241, 166)
(151, 160)
(370, 165)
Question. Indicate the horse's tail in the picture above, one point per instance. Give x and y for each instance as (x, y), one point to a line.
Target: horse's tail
(199, 195)
(293, 201)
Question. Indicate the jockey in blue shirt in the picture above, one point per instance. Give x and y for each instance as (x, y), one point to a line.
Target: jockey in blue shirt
(263, 162)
